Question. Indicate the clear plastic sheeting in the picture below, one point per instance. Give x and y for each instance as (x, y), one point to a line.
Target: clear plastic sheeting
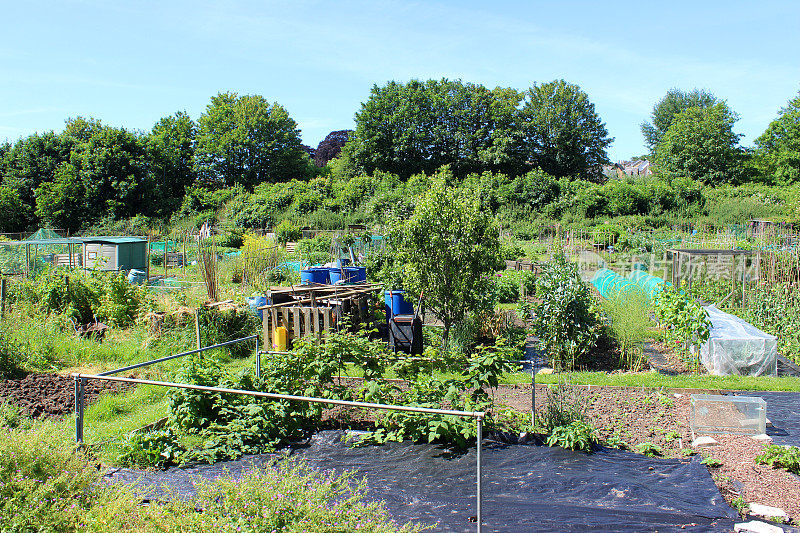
(714, 413)
(736, 347)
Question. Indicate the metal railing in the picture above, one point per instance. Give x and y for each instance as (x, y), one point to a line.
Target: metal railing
(190, 352)
(82, 379)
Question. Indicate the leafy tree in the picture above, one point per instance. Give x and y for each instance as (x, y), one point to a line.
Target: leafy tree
(330, 146)
(30, 162)
(449, 246)
(417, 127)
(700, 144)
(245, 140)
(563, 134)
(665, 111)
(112, 164)
(778, 153)
(170, 147)
(13, 213)
(62, 202)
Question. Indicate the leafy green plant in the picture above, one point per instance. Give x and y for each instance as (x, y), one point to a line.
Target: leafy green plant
(685, 321)
(786, 457)
(710, 462)
(152, 449)
(616, 441)
(564, 320)
(577, 435)
(740, 505)
(648, 448)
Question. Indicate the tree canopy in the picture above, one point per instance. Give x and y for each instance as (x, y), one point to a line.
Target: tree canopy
(245, 140)
(449, 246)
(665, 111)
(416, 127)
(778, 152)
(563, 133)
(700, 144)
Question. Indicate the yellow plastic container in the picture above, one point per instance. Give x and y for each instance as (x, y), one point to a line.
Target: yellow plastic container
(281, 339)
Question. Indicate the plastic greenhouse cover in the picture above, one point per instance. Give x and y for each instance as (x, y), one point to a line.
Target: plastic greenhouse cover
(526, 487)
(736, 347)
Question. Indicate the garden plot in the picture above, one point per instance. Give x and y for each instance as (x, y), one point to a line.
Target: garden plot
(526, 487)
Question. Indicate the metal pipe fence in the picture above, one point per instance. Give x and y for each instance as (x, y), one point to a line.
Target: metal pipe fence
(82, 379)
(190, 352)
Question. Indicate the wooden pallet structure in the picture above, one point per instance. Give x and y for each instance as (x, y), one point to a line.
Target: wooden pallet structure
(314, 309)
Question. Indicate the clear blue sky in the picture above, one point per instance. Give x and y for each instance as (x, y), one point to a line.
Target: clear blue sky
(130, 63)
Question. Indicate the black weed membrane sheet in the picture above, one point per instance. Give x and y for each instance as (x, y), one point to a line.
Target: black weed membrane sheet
(526, 487)
(783, 410)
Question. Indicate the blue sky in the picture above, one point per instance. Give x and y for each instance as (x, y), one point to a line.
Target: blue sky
(130, 63)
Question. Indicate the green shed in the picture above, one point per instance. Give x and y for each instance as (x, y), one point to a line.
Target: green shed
(114, 253)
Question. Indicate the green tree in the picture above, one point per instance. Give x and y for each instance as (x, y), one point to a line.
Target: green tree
(245, 140)
(449, 246)
(665, 111)
(14, 214)
(778, 153)
(171, 158)
(62, 202)
(30, 162)
(418, 127)
(563, 134)
(700, 144)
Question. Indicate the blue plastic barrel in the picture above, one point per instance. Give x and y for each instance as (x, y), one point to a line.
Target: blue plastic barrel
(335, 275)
(362, 273)
(352, 274)
(396, 304)
(307, 276)
(314, 275)
(254, 302)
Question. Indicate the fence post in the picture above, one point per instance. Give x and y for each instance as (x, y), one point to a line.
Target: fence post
(79, 391)
(2, 297)
(258, 360)
(479, 517)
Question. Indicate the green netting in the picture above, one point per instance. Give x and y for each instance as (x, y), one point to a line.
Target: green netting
(611, 285)
(43, 234)
(159, 246)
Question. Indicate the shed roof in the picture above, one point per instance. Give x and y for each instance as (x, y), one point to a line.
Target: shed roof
(111, 239)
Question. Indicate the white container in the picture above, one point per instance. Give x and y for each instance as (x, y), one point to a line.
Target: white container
(717, 414)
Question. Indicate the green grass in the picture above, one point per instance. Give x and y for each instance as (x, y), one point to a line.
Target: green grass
(655, 380)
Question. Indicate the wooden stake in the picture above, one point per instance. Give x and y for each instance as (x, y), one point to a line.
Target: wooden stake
(197, 327)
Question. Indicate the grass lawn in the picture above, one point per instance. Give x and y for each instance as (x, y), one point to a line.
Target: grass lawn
(656, 380)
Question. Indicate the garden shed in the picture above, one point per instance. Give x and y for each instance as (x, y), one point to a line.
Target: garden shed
(114, 253)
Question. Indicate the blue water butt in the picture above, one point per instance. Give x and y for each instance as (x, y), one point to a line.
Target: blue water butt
(254, 302)
(307, 276)
(335, 275)
(352, 274)
(396, 304)
(362, 274)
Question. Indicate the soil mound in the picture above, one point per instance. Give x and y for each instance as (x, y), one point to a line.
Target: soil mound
(51, 394)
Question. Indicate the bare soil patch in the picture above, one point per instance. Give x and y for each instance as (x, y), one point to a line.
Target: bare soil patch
(49, 395)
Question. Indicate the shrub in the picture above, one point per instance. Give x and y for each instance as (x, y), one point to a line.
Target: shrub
(10, 366)
(152, 449)
(287, 232)
(564, 320)
(285, 496)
